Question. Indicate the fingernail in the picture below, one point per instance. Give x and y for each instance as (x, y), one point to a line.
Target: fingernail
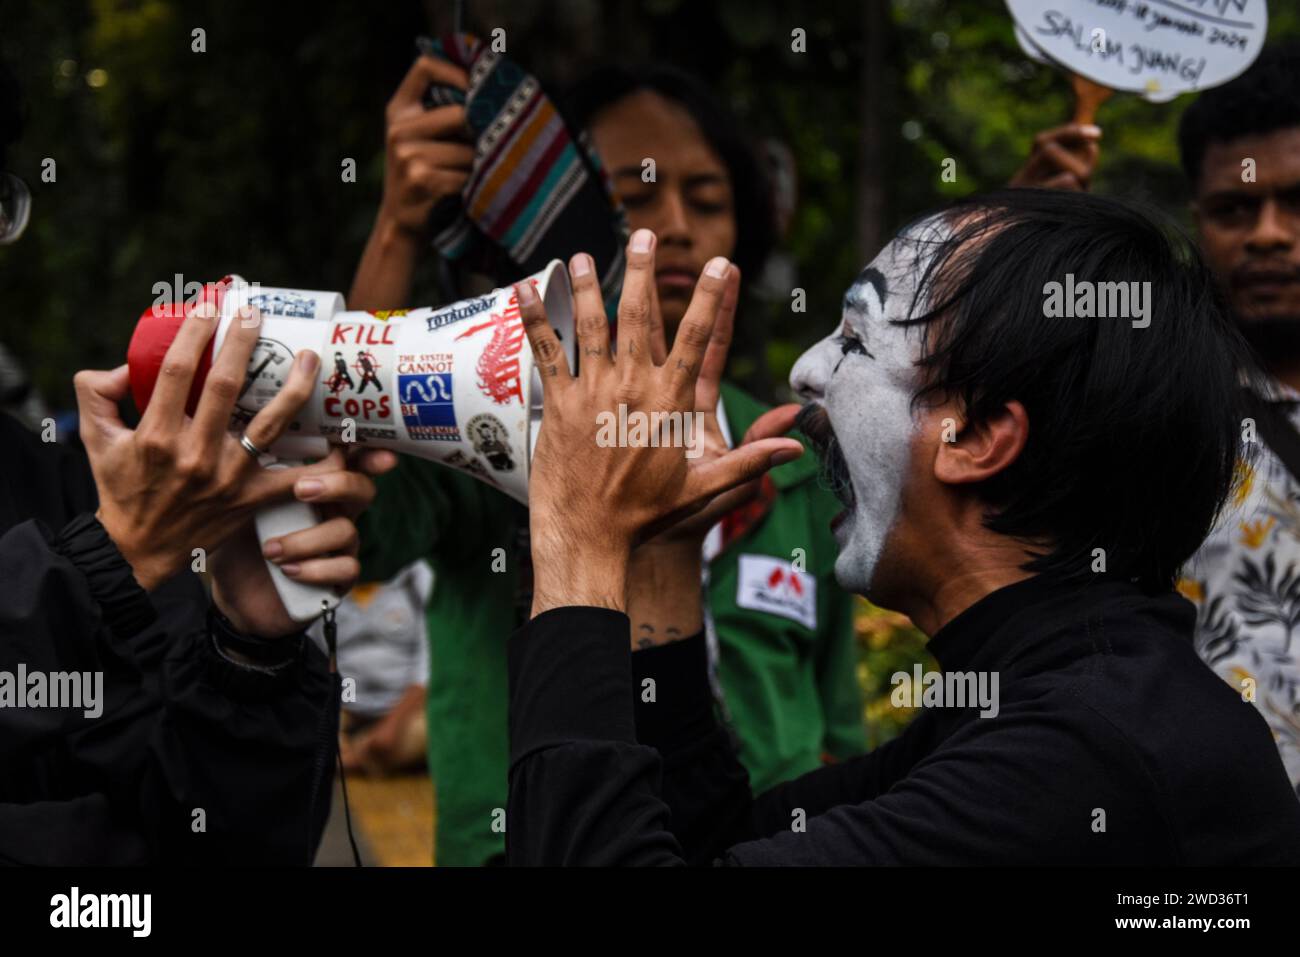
(307, 361)
(308, 488)
(1094, 130)
(249, 317)
(642, 240)
(526, 293)
(717, 267)
(290, 570)
(205, 310)
(272, 549)
(581, 265)
(785, 455)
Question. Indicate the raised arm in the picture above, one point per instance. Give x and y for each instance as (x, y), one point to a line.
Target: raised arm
(590, 501)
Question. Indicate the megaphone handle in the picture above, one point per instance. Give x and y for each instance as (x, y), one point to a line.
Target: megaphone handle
(302, 602)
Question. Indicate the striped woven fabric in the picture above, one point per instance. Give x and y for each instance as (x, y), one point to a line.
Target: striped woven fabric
(537, 190)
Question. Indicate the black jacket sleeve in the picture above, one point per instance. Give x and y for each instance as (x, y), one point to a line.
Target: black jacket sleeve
(186, 756)
(618, 758)
(581, 790)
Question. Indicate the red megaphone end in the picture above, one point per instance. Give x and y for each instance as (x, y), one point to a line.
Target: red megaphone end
(153, 336)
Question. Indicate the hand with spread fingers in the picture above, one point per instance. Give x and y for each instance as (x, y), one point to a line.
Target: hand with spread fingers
(774, 423)
(591, 501)
(178, 483)
(664, 599)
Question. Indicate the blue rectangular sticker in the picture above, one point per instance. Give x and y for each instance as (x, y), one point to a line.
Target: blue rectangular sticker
(428, 407)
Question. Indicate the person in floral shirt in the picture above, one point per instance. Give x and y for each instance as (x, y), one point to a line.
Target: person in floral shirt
(1240, 146)
(1245, 581)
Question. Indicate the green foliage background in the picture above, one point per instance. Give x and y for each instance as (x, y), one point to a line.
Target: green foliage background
(200, 164)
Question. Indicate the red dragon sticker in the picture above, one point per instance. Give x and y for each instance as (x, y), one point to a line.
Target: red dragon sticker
(498, 365)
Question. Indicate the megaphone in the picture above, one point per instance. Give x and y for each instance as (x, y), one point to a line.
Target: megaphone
(454, 384)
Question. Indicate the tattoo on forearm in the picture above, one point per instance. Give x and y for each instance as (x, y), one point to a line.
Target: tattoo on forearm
(649, 636)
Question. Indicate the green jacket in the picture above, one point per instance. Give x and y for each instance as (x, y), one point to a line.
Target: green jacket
(786, 655)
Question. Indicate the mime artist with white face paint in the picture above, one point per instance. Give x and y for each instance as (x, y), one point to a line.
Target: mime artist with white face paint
(1023, 485)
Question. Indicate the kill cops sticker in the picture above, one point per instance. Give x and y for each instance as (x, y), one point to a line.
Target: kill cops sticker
(362, 355)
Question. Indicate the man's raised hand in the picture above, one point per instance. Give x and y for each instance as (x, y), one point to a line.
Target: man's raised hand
(591, 500)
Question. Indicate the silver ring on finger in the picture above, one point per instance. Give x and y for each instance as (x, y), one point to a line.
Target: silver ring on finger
(250, 448)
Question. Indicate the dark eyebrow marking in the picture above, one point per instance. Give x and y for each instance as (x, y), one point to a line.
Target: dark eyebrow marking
(875, 279)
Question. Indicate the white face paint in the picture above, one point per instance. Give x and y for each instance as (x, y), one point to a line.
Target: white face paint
(867, 397)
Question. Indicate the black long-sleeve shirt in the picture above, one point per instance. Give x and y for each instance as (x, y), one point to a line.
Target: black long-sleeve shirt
(196, 758)
(1112, 744)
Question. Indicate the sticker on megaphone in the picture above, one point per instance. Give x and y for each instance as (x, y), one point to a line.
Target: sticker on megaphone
(454, 384)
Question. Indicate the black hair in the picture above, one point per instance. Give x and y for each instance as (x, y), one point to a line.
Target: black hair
(1266, 97)
(11, 111)
(1134, 433)
(755, 219)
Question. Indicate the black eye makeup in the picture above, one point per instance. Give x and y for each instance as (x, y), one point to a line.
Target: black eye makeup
(850, 344)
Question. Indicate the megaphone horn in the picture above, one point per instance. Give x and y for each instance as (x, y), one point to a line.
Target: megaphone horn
(454, 384)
